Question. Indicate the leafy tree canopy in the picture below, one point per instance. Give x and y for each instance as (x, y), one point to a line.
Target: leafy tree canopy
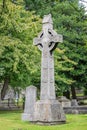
(70, 20)
(18, 57)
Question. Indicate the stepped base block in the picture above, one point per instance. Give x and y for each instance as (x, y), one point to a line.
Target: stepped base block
(49, 112)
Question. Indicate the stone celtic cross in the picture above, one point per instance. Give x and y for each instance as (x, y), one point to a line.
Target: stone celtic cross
(47, 42)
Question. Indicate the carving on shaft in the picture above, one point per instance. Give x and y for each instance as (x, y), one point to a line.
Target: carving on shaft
(47, 41)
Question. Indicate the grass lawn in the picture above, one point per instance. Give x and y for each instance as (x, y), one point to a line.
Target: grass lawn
(11, 120)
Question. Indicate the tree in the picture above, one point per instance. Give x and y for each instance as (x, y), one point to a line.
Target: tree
(39, 5)
(18, 57)
(71, 21)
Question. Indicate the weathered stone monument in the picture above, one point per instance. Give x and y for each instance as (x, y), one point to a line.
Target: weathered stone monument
(74, 102)
(30, 100)
(65, 102)
(48, 110)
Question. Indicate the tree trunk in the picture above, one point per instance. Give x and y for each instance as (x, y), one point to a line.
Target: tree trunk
(73, 92)
(67, 94)
(4, 4)
(5, 87)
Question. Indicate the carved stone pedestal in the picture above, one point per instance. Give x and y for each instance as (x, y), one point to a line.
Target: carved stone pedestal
(49, 112)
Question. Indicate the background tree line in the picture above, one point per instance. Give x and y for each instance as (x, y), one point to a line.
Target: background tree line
(20, 22)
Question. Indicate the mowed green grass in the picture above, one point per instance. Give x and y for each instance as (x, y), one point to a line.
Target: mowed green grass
(11, 120)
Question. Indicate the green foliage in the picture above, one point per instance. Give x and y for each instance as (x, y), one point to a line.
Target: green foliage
(21, 60)
(18, 57)
(63, 65)
(39, 5)
(85, 91)
(69, 20)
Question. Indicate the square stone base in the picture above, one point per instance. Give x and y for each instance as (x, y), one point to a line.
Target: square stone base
(49, 112)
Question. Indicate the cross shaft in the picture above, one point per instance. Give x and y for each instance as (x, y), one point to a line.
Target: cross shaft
(47, 41)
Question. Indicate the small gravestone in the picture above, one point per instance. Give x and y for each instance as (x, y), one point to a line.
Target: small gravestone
(10, 94)
(48, 110)
(10, 97)
(65, 102)
(74, 102)
(74, 108)
(30, 99)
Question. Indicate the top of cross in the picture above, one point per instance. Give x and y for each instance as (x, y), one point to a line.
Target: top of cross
(47, 23)
(48, 36)
(47, 19)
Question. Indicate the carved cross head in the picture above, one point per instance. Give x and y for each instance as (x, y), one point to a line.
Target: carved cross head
(47, 37)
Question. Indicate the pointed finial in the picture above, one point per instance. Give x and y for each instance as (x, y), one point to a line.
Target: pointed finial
(47, 19)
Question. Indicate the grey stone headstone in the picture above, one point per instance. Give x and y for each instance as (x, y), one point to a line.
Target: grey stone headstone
(74, 102)
(30, 99)
(65, 102)
(10, 94)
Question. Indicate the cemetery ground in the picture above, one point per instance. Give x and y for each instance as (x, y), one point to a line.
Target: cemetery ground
(11, 120)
